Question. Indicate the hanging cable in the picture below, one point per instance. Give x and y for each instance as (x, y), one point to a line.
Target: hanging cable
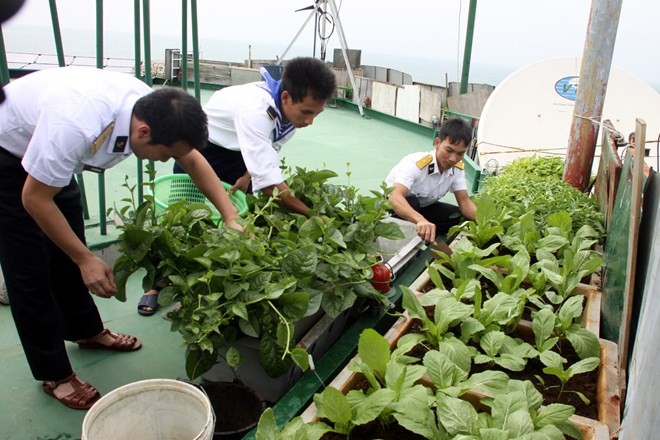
(331, 20)
(324, 36)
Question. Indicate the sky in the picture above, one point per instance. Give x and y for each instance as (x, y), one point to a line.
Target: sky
(509, 34)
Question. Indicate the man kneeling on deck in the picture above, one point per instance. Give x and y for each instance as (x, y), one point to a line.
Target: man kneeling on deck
(420, 180)
(55, 123)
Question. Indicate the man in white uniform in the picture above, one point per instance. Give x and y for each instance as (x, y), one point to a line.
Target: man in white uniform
(249, 123)
(55, 123)
(420, 180)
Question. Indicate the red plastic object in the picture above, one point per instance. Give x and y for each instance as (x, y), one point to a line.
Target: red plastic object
(382, 276)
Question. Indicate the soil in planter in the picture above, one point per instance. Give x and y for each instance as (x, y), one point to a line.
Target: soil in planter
(237, 409)
(374, 430)
(584, 383)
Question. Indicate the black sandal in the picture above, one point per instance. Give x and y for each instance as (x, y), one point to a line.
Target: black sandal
(148, 304)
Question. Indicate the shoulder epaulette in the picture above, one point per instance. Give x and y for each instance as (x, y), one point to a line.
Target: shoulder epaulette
(272, 113)
(424, 161)
(96, 144)
(460, 165)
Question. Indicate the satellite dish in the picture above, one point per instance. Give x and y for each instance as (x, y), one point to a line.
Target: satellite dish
(531, 111)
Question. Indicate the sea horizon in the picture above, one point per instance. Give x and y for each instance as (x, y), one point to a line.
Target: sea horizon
(120, 45)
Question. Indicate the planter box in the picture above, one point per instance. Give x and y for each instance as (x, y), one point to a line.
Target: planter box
(590, 313)
(315, 334)
(346, 380)
(607, 386)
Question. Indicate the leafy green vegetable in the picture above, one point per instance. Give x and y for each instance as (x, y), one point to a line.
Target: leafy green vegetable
(230, 285)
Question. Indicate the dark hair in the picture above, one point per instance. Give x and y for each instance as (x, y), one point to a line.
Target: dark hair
(305, 75)
(457, 130)
(173, 115)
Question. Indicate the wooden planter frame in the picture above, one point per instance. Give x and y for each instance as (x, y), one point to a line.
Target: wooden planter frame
(607, 386)
(346, 380)
(590, 313)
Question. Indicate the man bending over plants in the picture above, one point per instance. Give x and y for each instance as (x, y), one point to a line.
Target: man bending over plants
(249, 124)
(421, 179)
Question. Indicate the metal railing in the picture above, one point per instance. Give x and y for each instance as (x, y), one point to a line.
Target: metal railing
(141, 13)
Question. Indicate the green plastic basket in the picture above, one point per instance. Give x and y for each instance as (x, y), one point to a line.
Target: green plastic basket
(174, 187)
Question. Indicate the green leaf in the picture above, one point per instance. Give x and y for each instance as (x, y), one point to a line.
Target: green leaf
(531, 395)
(300, 262)
(233, 357)
(136, 243)
(267, 427)
(554, 414)
(412, 304)
(271, 356)
(312, 431)
(251, 326)
(336, 237)
(374, 350)
(470, 327)
(492, 342)
(552, 359)
(335, 302)
(505, 406)
(300, 358)
(456, 415)
(511, 362)
(371, 407)
(240, 310)
(312, 229)
(414, 412)
(543, 325)
(443, 372)
(490, 434)
(391, 231)
(584, 366)
(198, 361)
(122, 269)
(584, 342)
(519, 423)
(549, 432)
(456, 351)
(333, 405)
(492, 382)
(571, 308)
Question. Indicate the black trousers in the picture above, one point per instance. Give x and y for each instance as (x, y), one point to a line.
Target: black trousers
(443, 215)
(48, 298)
(227, 164)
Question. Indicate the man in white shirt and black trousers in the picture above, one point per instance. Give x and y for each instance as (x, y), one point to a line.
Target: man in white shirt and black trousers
(55, 123)
(420, 180)
(249, 124)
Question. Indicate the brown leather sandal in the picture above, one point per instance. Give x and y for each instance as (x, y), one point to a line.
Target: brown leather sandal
(83, 396)
(121, 342)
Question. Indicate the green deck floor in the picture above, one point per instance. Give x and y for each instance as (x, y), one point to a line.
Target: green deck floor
(338, 136)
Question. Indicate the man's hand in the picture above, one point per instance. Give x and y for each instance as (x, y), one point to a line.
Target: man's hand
(426, 230)
(234, 225)
(98, 277)
(242, 183)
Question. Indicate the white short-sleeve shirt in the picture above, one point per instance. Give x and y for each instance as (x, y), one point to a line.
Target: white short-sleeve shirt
(239, 121)
(423, 179)
(54, 120)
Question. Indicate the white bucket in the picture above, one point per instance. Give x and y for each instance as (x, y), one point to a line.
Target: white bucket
(154, 409)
